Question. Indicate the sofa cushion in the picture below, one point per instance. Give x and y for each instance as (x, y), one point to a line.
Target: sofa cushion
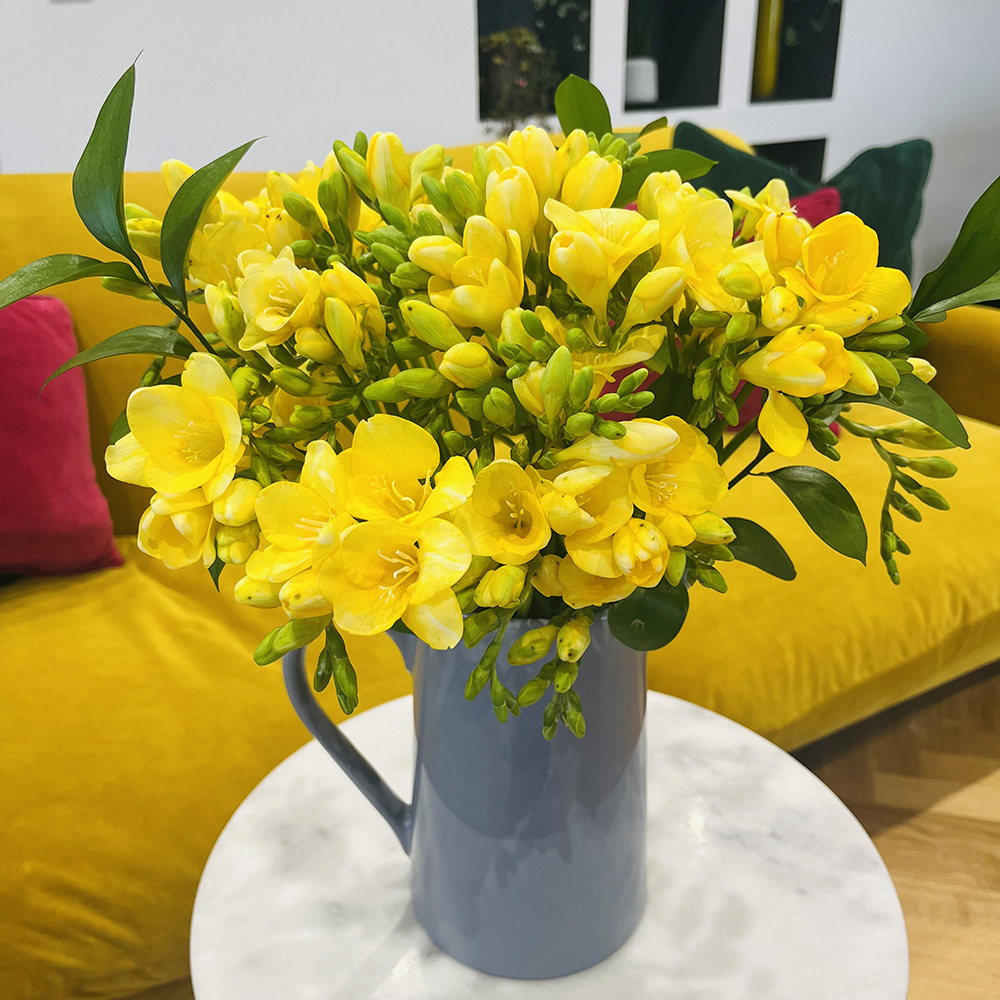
(134, 722)
(53, 517)
(795, 661)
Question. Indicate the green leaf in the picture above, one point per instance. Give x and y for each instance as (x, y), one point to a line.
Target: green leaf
(579, 104)
(97, 180)
(57, 270)
(985, 292)
(649, 617)
(920, 401)
(215, 570)
(756, 546)
(137, 340)
(119, 428)
(184, 212)
(973, 259)
(918, 339)
(826, 507)
(654, 126)
(688, 164)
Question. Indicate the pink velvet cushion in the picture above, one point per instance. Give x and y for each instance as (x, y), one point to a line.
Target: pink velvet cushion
(53, 517)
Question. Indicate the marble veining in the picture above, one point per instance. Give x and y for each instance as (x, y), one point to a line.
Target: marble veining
(762, 886)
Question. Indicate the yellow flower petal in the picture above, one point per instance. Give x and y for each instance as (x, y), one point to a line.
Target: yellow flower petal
(595, 558)
(438, 620)
(444, 556)
(126, 460)
(887, 291)
(782, 425)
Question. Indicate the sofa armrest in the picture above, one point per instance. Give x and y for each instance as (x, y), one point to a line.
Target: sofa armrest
(965, 350)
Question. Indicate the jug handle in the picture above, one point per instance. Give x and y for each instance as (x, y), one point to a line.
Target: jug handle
(397, 813)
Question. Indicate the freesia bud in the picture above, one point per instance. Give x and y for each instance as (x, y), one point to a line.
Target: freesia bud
(740, 280)
(591, 183)
(468, 365)
(555, 382)
(779, 308)
(257, 593)
(881, 367)
(546, 579)
(465, 196)
(423, 383)
(501, 587)
(436, 254)
(498, 408)
(430, 324)
(235, 544)
(235, 506)
(532, 646)
(144, 235)
(923, 369)
(573, 639)
(653, 295)
(511, 203)
(174, 173)
(225, 313)
(428, 162)
(862, 381)
(573, 149)
(711, 529)
(388, 169)
(579, 261)
(316, 345)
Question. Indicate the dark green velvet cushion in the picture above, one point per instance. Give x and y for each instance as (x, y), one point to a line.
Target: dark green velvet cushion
(883, 186)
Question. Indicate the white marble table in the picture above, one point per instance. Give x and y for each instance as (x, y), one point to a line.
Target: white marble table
(762, 885)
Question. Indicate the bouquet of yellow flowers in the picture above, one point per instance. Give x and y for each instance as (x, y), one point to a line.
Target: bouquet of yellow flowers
(430, 399)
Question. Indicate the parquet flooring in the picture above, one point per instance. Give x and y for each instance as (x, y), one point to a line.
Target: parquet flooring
(924, 780)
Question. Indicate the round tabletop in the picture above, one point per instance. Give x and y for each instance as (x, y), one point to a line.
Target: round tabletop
(762, 885)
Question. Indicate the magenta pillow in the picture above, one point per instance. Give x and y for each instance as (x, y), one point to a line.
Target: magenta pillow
(53, 517)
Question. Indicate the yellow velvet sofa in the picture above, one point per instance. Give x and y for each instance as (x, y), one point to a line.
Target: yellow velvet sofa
(134, 720)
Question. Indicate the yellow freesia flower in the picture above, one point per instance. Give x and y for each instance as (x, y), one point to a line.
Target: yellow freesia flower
(591, 183)
(388, 169)
(216, 248)
(580, 589)
(573, 149)
(428, 162)
(588, 502)
(677, 196)
(180, 530)
(687, 481)
(484, 283)
(437, 255)
(616, 234)
(385, 571)
(640, 551)
(645, 441)
(653, 295)
(503, 518)
(183, 437)
(468, 365)
(800, 361)
(276, 297)
(352, 315)
(779, 309)
(391, 468)
(511, 203)
(839, 259)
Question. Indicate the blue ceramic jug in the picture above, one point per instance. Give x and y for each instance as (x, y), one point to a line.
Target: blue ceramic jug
(528, 856)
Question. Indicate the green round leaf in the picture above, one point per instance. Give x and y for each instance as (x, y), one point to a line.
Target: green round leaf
(649, 618)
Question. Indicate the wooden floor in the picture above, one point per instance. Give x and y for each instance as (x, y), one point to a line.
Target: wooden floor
(924, 780)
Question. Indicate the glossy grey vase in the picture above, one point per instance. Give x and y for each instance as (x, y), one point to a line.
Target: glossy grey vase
(529, 857)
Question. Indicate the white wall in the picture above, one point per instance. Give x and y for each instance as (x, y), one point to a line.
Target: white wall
(303, 72)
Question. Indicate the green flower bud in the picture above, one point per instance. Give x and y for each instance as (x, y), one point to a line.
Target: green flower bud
(385, 391)
(879, 342)
(465, 196)
(581, 387)
(712, 529)
(297, 383)
(498, 408)
(456, 443)
(307, 417)
(430, 325)
(437, 195)
(303, 212)
(933, 466)
(881, 368)
(556, 381)
(532, 691)
(516, 371)
(501, 587)
(676, 564)
(225, 313)
(294, 634)
(409, 348)
(521, 452)
(532, 646)
(578, 341)
(608, 402)
(409, 277)
(424, 383)
(134, 211)
(740, 280)
(900, 503)
(478, 626)
(387, 256)
(740, 327)
(572, 642)
(579, 424)
(470, 404)
(886, 325)
(932, 498)
(354, 167)
(565, 677)
(632, 382)
(303, 248)
(706, 319)
(610, 429)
